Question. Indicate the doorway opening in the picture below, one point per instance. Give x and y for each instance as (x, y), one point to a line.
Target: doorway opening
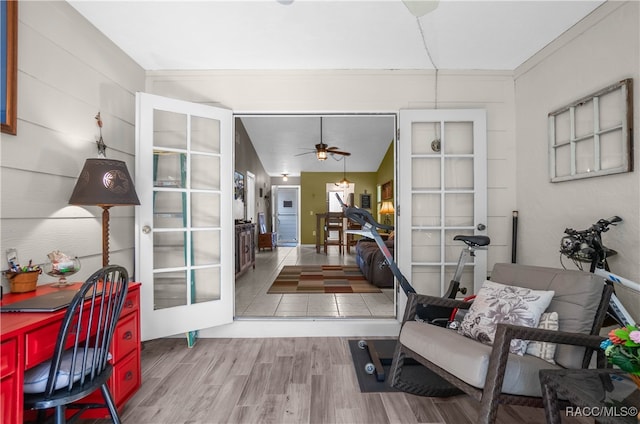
(286, 146)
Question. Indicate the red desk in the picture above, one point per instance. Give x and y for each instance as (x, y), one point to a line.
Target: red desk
(27, 339)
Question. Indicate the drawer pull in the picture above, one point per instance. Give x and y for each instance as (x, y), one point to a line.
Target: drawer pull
(128, 335)
(128, 304)
(128, 376)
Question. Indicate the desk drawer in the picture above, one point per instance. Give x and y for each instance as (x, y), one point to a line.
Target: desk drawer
(9, 399)
(40, 344)
(8, 357)
(131, 303)
(125, 338)
(125, 379)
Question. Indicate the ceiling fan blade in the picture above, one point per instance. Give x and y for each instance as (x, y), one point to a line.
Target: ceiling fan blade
(305, 153)
(338, 152)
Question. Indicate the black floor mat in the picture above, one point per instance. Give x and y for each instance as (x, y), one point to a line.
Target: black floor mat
(413, 373)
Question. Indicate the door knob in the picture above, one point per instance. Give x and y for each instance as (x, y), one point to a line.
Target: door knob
(146, 229)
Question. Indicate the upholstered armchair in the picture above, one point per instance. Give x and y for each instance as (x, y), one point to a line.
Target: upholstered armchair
(485, 369)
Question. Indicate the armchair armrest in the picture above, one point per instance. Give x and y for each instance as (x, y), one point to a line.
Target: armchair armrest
(502, 341)
(507, 332)
(415, 299)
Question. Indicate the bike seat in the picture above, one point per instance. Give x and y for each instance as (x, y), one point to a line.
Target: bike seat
(473, 240)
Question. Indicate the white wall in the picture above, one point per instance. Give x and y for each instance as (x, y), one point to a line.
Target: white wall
(599, 51)
(67, 72)
(373, 91)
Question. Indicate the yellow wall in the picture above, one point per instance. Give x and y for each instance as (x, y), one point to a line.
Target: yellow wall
(313, 196)
(313, 192)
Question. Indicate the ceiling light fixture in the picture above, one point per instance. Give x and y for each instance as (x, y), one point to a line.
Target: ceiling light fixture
(321, 149)
(285, 177)
(420, 8)
(321, 153)
(344, 182)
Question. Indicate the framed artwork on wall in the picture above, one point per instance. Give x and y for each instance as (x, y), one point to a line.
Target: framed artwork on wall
(238, 180)
(387, 190)
(365, 201)
(9, 63)
(238, 196)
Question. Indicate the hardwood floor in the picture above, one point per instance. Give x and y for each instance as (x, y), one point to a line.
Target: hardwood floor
(280, 380)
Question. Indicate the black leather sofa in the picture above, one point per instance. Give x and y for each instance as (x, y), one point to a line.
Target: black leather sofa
(372, 262)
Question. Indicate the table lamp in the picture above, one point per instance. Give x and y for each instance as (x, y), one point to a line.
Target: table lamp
(387, 209)
(105, 183)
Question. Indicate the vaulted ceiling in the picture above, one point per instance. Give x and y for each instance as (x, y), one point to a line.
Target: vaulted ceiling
(322, 34)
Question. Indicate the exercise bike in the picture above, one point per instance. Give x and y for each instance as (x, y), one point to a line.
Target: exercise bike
(429, 314)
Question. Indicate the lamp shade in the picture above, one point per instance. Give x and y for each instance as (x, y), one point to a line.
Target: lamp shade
(104, 182)
(387, 208)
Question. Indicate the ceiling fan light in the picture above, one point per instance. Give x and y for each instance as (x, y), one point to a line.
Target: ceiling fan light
(321, 154)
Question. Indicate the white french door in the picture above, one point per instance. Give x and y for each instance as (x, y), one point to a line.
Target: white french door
(184, 178)
(442, 192)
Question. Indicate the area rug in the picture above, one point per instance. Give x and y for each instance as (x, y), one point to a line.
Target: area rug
(415, 377)
(321, 279)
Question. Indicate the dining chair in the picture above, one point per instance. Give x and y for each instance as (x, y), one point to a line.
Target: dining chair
(79, 363)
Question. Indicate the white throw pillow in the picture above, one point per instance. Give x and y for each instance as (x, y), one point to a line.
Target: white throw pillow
(497, 303)
(545, 350)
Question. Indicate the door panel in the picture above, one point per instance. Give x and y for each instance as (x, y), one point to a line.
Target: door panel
(443, 189)
(185, 254)
(286, 211)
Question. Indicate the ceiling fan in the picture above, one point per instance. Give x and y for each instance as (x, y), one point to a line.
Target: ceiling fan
(322, 150)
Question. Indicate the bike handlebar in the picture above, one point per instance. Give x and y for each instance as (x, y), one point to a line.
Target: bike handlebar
(602, 226)
(586, 245)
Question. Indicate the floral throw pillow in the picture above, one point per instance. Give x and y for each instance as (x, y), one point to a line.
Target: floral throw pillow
(497, 303)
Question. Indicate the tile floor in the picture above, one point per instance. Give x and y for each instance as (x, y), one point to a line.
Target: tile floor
(252, 299)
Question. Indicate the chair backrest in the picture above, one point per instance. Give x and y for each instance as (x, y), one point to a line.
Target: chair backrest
(85, 335)
(334, 219)
(580, 299)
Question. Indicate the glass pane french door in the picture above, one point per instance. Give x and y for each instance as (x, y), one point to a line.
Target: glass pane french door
(442, 190)
(184, 177)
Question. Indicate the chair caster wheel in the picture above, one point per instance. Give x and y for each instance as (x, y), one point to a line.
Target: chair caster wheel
(369, 368)
(362, 344)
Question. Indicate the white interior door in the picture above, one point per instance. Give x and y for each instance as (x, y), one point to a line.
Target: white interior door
(184, 236)
(442, 186)
(286, 208)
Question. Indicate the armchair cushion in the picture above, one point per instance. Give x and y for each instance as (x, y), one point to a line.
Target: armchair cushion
(468, 360)
(497, 303)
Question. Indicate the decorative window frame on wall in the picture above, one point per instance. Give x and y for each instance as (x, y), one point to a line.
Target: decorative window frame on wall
(593, 136)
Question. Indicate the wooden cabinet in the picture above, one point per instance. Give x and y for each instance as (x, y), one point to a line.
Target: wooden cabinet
(26, 341)
(245, 247)
(267, 241)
